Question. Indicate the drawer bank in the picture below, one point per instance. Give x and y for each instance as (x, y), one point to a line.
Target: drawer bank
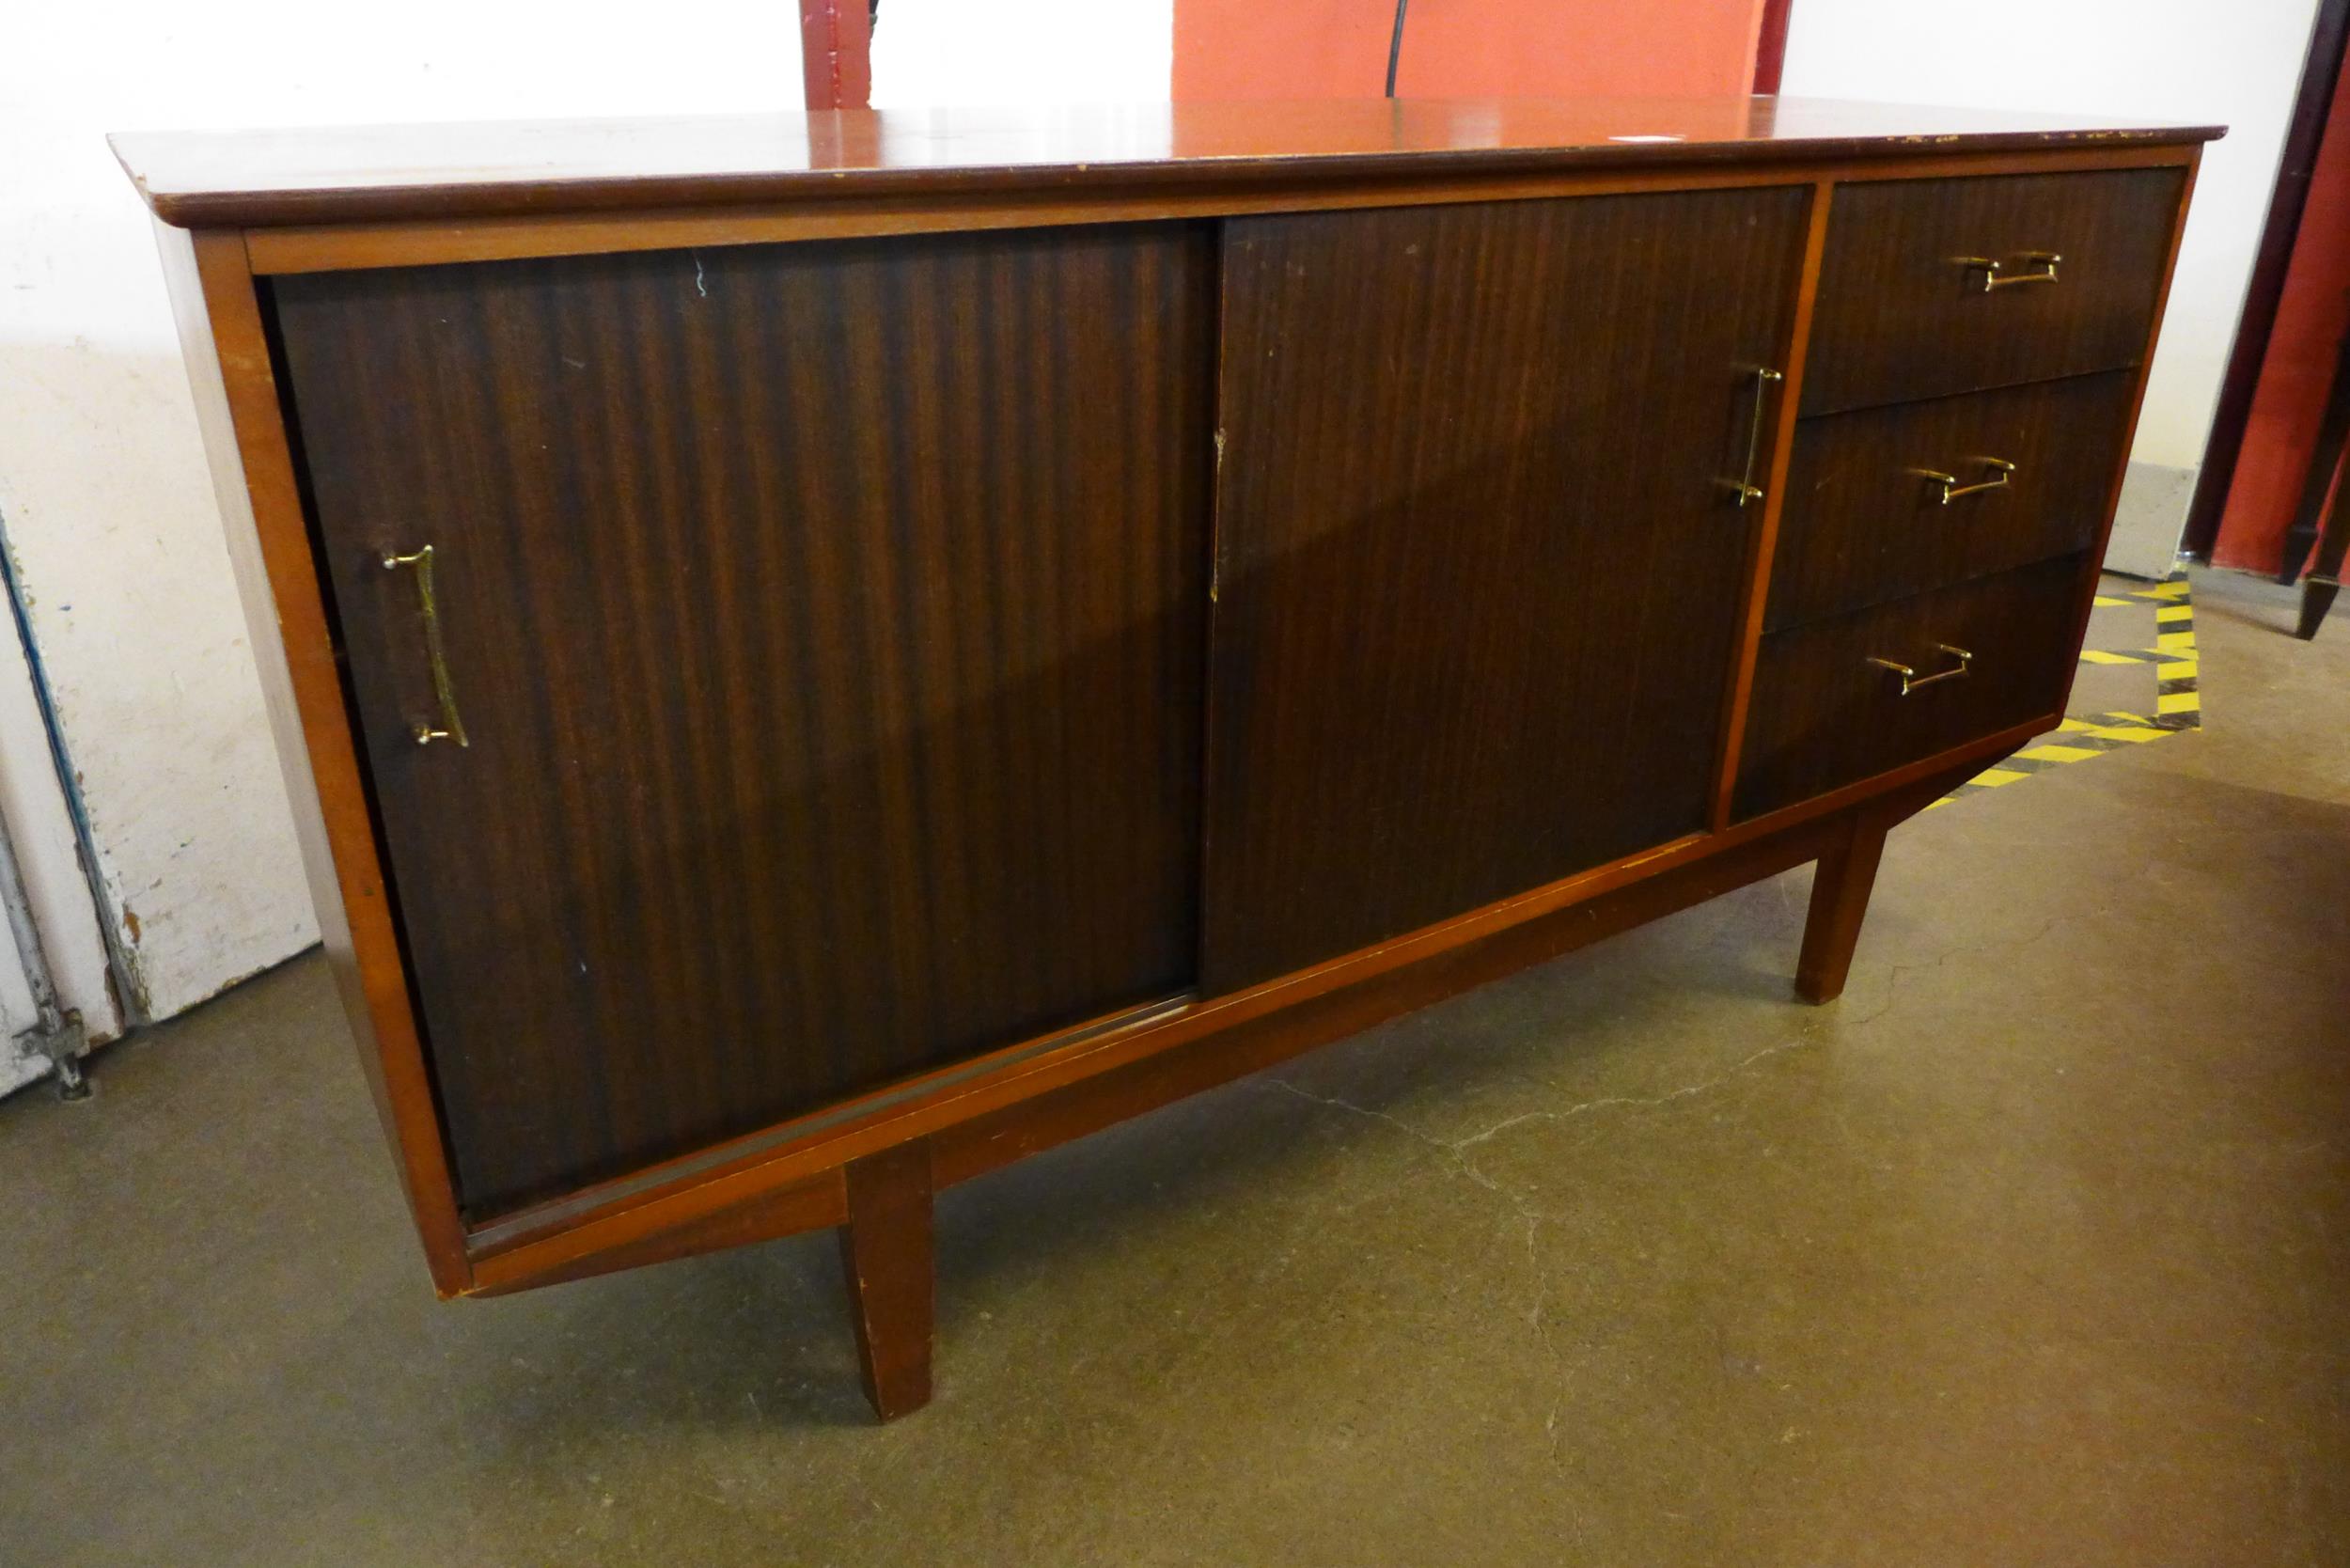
(818, 655)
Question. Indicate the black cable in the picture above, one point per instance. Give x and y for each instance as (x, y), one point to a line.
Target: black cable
(1394, 45)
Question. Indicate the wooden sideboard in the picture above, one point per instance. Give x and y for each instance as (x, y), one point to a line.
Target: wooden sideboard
(816, 656)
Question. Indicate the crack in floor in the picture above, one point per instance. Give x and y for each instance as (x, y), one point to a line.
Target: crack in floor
(1456, 1151)
(1456, 1148)
(1531, 1214)
(1894, 976)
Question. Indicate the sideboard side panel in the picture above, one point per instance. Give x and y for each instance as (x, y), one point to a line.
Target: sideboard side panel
(225, 344)
(827, 622)
(2085, 597)
(1479, 567)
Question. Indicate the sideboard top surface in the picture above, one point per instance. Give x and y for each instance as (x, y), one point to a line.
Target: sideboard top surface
(389, 173)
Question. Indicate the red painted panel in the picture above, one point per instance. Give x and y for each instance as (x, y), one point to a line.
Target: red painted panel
(836, 52)
(2290, 395)
(1465, 48)
(1770, 54)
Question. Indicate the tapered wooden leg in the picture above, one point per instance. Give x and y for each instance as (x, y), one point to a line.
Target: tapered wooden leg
(885, 1253)
(1839, 901)
(2318, 486)
(2317, 597)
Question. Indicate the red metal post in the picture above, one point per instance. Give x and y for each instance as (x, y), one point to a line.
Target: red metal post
(836, 52)
(1770, 52)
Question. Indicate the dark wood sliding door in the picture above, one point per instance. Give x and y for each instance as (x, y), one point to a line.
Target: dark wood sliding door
(1477, 563)
(825, 623)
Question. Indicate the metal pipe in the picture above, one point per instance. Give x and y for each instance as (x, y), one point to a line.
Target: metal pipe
(1394, 45)
(56, 1034)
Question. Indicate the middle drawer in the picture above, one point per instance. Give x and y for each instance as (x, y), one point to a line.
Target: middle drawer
(1886, 502)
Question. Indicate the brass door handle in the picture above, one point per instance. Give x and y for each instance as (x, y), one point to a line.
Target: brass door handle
(1952, 490)
(1743, 487)
(452, 726)
(1911, 680)
(1993, 277)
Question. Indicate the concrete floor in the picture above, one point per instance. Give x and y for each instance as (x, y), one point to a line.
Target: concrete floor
(2035, 1249)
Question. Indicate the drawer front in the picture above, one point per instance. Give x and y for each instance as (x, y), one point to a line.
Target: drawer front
(1825, 715)
(1870, 518)
(1901, 313)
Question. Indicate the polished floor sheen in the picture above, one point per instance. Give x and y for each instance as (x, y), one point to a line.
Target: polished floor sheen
(2035, 1249)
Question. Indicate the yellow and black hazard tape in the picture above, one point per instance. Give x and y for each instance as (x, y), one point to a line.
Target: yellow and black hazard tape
(2178, 695)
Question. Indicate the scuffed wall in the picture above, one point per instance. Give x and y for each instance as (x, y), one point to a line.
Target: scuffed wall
(103, 493)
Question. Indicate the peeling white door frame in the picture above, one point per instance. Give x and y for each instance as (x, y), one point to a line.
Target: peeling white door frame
(49, 1040)
(19, 1064)
(55, 996)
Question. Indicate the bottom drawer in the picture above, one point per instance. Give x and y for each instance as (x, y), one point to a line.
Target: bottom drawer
(1825, 713)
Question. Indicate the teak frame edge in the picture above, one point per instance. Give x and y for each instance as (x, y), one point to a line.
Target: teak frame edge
(2087, 594)
(226, 346)
(333, 247)
(853, 166)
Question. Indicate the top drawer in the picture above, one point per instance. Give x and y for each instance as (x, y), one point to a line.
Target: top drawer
(1904, 311)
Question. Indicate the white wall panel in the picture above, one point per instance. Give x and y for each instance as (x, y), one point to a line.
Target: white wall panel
(947, 53)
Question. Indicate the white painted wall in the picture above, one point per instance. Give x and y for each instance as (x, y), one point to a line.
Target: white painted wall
(2190, 61)
(103, 486)
(954, 53)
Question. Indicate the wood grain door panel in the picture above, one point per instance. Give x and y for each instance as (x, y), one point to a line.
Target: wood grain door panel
(1862, 524)
(1478, 570)
(1900, 317)
(828, 623)
(1823, 715)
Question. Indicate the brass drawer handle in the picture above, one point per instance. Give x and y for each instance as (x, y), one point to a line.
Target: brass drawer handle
(1910, 679)
(1743, 487)
(1952, 490)
(2045, 260)
(452, 725)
